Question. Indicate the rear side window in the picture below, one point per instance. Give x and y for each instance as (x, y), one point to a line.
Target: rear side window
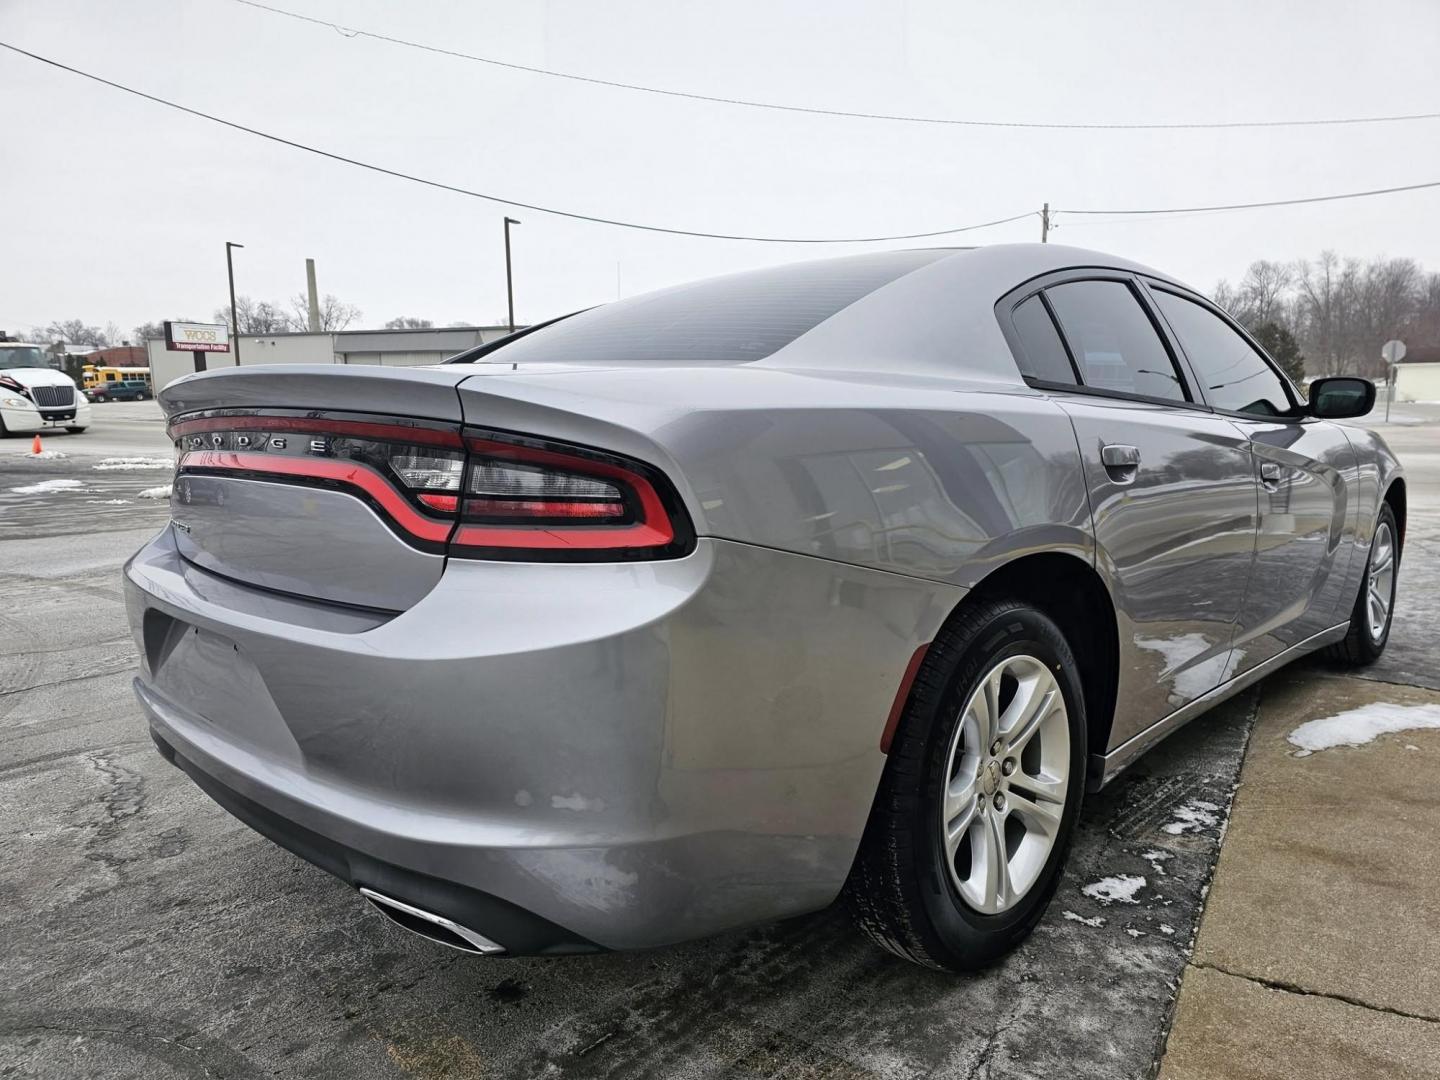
(1232, 373)
(1042, 353)
(723, 320)
(1115, 345)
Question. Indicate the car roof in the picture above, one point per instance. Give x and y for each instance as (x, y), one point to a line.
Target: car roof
(939, 319)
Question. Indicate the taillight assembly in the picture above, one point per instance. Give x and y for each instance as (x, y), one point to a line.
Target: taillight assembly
(555, 502)
(472, 495)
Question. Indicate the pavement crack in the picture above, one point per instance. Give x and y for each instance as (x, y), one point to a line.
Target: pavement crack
(1297, 989)
(65, 682)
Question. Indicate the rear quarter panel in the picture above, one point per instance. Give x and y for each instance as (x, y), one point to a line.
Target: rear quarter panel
(915, 475)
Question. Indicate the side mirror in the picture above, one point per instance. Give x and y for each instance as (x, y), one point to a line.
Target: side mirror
(1341, 397)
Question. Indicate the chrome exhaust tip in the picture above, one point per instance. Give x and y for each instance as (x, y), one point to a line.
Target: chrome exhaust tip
(429, 925)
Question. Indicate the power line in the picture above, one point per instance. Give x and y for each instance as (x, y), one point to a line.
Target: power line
(498, 199)
(1259, 205)
(353, 32)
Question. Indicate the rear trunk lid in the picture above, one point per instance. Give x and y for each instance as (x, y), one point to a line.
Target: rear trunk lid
(293, 479)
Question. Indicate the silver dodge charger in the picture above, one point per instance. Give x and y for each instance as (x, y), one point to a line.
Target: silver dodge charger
(845, 579)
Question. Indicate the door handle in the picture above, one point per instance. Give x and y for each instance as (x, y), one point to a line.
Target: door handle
(1121, 462)
(1270, 474)
(1117, 455)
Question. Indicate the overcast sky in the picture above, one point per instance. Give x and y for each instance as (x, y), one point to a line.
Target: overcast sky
(117, 209)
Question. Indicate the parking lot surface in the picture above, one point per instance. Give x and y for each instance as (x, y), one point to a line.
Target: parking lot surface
(149, 934)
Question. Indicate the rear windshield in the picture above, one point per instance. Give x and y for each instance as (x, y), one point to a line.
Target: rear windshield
(723, 320)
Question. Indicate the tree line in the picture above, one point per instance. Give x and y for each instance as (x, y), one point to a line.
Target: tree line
(1331, 315)
(253, 317)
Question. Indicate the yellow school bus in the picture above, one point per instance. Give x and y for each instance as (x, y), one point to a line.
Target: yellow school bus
(94, 375)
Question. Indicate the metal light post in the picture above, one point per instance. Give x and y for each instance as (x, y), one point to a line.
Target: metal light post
(234, 319)
(509, 287)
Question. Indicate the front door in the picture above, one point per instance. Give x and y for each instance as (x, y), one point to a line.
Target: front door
(1303, 467)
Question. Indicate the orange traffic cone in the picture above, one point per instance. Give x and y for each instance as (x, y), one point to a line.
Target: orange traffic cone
(35, 446)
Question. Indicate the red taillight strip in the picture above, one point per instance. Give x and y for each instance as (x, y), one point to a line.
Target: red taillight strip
(340, 472)
(654, 528)
(364, 429)
(543, 508)
(902, 695)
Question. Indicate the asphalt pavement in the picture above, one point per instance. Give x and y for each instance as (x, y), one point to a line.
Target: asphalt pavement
(148, 934)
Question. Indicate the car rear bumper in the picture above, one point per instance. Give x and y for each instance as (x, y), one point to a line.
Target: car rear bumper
(630, 754)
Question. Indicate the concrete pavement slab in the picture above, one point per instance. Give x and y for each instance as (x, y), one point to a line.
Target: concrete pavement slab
(1240, 1030)
(1330, 870)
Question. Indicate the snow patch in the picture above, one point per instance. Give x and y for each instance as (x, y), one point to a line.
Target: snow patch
(48, 485)
(1155, 858)
(47, 455)
(162, 492)
(1120, 889)
(1096, 920)
(127, 464)
(1167, 929)
(1134, 933)
(1356, 727)
(112, 502)
(1194, 816)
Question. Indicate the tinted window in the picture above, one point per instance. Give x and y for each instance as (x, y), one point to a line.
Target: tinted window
(1113, 340)
(1042, 353)
(736, 318)
(1232, 374)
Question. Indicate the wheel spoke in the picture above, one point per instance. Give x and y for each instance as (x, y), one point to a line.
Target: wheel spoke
(1039, 805)
(996, 867)
(987, 708)
(959, 811)
(1043, 788)
(1034, 702)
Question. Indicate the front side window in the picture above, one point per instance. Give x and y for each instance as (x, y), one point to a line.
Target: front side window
(1113, 341)
(1234, 376)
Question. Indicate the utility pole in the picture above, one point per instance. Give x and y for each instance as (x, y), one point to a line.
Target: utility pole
(314, 296)
(1045, 224)
(509, 287)
(234, 319)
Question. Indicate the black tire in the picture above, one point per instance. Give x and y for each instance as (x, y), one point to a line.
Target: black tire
(900, 890)
(1360, 647)
(75, 430)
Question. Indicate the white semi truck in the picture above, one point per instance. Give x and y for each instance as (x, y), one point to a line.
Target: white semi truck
(34, 396)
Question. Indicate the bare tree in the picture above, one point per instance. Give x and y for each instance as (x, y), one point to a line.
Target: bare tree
(255, 317)
(406, 322)
(1323, 303)
(335, 314)
(72, 332)
(145, 331)
(1225, 296)
(1263, 291)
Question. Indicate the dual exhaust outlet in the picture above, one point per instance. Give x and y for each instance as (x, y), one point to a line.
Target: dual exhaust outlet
(429, 925)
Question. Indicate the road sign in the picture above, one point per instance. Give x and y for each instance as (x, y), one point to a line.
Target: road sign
(1393, 351)
(197, 337)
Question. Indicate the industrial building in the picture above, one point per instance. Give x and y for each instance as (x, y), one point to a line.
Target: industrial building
(405, 348)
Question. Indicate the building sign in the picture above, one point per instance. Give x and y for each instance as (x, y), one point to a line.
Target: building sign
(197, 337)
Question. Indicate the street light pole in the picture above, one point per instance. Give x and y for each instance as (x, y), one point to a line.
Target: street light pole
(509, 287)
(234, 320)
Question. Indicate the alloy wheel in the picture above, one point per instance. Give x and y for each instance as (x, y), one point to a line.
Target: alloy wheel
(1007, 775)
(1381, 583)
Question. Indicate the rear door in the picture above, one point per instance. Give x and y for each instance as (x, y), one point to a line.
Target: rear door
(1172, 488)
(1304, 467)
